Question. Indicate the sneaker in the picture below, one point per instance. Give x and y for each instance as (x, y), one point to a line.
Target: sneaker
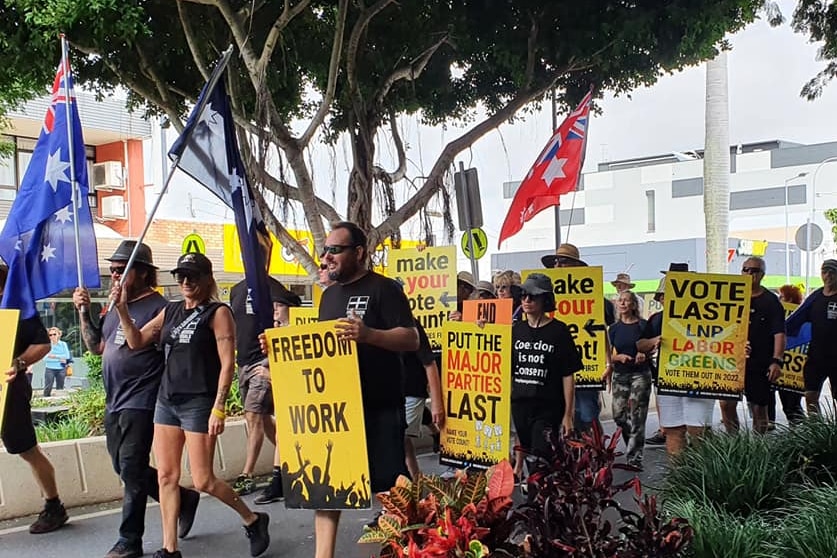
(658, 439)
(244, 485)
(273, 492)
(124, 550)
(163, 553)
(258, 534)
(188, 508)
(50, 519)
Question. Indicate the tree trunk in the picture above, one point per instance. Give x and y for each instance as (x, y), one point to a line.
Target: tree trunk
(716, 166)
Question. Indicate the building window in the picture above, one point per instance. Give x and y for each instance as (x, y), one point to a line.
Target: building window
(651, 205)
(8, 176)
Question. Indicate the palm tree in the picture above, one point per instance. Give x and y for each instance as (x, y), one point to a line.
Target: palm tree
(716, 165)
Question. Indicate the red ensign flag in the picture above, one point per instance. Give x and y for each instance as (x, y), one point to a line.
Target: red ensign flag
(555, 172)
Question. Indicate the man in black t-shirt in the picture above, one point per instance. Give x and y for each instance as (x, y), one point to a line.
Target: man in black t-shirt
(17, 431)
(373, 311)
(254, 381)
(820, 309)
(766, 335)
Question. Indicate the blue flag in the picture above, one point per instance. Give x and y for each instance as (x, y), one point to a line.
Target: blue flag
(38, 240)
(208, 152)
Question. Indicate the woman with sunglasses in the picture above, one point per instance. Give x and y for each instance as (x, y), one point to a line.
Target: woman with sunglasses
(197, 335)
(543, 363)
(56, 362)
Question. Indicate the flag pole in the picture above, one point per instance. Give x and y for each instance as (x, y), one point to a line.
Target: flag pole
(213, 80)
(65, 66)
(557, 205)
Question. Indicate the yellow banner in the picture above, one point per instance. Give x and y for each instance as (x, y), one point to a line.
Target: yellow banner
(302, 316)
(476, 386)
(791, 378)
(579, 301)
(381, 256)
(8, 323)
(429, 280)
(319, 418)
(282, 261)
(705, 322)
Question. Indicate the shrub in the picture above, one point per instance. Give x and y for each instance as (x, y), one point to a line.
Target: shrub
(719, 534)
(808, 529)
(70, 428)
(94, 367)
(87, 406)
(739, 473)
(234, 405)
(812, 446)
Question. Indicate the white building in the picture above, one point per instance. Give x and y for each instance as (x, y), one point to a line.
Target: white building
(640, 214)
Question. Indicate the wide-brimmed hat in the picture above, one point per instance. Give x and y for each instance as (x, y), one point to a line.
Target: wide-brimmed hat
(467, 278)
(661, 289)
(123, 253)
(486, 287)
(830, 265)
(566, 250)
(194, 262)
(676, 267)
(624, 279)
(539, 284)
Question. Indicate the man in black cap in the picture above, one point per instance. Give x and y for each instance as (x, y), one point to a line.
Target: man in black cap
(132, 379)
(820, 310)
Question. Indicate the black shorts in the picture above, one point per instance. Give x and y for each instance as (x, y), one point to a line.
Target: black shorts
(532, 418)
(18, 431)
(757, 386)
(385, 430)
(815, 376)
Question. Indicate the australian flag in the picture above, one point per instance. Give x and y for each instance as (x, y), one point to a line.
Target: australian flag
(38, 240)
(208, 152)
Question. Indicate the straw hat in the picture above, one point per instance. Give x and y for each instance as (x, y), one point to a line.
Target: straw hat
(567, 251)
(487, 287)
(624, 279)
(467, 278)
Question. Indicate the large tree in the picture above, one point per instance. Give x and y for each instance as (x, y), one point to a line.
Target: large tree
(311, 71)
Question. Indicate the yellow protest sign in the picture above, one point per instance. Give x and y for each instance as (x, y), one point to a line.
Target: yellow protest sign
(476, 387)
(8, 323)
(282, 260)
(579, 301)
(429, 280)
(301, 315)
(380, 257)
(794, 362)
(704, 338)
(319, 418)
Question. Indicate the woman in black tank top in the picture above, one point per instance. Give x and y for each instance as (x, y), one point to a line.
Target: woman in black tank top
(198, 337)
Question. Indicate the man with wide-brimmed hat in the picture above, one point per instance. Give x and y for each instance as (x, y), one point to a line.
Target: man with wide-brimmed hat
(132, 380)
(465, 289)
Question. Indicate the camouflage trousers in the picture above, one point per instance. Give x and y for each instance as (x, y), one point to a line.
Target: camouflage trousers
(631, 392)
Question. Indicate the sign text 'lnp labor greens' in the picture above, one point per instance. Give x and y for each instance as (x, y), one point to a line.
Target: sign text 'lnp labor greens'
(319, 417)
(476, 386)
(428, 277)
(704, 338)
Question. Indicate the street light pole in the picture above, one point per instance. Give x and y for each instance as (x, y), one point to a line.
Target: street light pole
(811, 216)
(787, 226)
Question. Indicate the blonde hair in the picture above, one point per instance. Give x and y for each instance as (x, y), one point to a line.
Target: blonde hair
(54, 329)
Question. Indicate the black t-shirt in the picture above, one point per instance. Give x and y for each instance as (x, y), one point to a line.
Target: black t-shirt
(381, 304)
(541, 358)
(767, 318)
(30, 331)
(823, 316)
(415, 375)
(653, 328)
(131, 377)
(192, 362)
(247, 327)
(623, 338)
(609, 312)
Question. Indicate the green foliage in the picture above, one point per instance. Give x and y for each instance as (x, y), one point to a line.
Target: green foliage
(812, 449)
(94, 367)
(87, 406)
(38, 402)
(70, 428)
(234, 405)
(808, 530)
(831, 215)
(719, 534)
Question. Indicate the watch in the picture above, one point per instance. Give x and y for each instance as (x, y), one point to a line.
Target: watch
(20, 364)
(778, 362)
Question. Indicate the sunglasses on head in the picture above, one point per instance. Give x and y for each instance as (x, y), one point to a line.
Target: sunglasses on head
(751, 270)
(190, 276)
(117, 269)
(335, 249)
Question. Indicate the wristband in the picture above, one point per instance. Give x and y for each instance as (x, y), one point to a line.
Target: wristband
(778, 362)
(219, 413)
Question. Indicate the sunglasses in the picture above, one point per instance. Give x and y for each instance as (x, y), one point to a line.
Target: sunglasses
(335, 249)
(530, 296)
(53, 335)
(751, 270)
(181, 276)
(117, 270)
(502, 287)
(562, 260)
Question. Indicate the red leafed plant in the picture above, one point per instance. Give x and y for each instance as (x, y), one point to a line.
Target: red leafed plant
(432, 517)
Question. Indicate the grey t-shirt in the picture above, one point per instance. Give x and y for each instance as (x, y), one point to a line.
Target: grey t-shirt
(132, 378)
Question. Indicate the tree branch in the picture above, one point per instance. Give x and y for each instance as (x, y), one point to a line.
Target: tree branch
(281, 188)
(190, 40)
(283, 235)
(531, 48)
(333, 66)
(354, 39)
(409, 72)
(401, 171)
(288, 13)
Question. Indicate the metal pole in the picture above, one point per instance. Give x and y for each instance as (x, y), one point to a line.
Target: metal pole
(811, 218)
(465, 191)
(557, 205)
(787, 242)
(65, 65)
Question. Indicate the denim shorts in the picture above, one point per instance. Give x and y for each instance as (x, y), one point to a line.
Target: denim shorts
(189, 413)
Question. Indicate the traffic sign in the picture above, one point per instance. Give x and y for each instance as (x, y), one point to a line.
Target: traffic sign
(478, 239)
(802, 237)
(193, 244)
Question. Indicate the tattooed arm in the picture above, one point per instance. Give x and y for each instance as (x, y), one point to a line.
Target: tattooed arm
(224, 329)
(90, 332)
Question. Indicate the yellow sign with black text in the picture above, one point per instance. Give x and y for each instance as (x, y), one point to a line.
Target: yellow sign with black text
(704, 338)
(580, 303)
(8, 323)
(319, 418)
(794, 362)
(476, 388)
(429, 280)
(300, 315)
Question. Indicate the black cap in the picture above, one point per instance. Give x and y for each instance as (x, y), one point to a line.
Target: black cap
(196, 263)
(830, 265)
(123, 253)
(676, 267)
